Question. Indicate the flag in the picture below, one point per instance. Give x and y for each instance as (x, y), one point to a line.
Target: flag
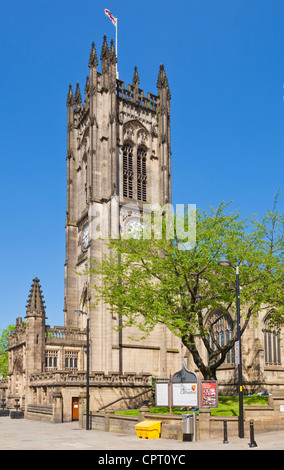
(111, 17)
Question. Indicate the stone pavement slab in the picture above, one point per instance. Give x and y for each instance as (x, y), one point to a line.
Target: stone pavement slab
(26, 434)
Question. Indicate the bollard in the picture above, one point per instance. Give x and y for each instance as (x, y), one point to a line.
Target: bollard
(252, 442)
(225, 441)
(16, 414)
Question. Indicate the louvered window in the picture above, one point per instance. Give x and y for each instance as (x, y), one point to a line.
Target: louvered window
(141, 175)
(128, 171)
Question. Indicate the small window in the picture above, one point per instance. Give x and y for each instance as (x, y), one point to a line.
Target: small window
(71, 360)
(51, 359)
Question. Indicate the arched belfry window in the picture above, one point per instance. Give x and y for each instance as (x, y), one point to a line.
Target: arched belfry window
(141, 175)
(128, 170)
(272, 345)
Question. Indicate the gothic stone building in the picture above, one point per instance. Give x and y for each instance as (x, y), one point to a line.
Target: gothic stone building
(118, 157)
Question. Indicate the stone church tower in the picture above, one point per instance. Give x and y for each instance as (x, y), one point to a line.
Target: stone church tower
(118, 153)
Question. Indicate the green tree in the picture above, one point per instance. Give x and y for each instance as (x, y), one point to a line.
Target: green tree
(155, 281)
(4, 343)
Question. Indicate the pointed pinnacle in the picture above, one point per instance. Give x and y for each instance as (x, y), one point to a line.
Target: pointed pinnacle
(104, 52)
(135, 81)
(162, 78)
(93, 61)
(78, 99)
(112, 53)
(35, 300)
(87, 86)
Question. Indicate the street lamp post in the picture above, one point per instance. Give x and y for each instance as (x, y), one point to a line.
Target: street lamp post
(88, 369)
(239, 357)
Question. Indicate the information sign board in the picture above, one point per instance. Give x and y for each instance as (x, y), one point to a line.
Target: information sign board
(209, 393)
(162, 394)
(237, 352)
(185, 394)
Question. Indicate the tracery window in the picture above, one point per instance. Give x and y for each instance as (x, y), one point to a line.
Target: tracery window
(141, 174)
(51, 358)
(71, 360)
(221, 333)
(272, 345)
(128, 170)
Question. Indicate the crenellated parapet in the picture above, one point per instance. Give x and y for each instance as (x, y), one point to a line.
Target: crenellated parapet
(136, 95)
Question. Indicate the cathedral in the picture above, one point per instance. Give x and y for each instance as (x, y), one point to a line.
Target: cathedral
(118, 158)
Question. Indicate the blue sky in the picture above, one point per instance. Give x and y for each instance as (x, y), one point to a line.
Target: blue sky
(224, 62)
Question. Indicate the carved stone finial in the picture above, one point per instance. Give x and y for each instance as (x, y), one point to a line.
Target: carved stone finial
(135, 81)
(78, 99)
(93, 61)
(105, 51)
(70, 98)
(112, 53)
(87, 86)
(162, 78)
(163, 81)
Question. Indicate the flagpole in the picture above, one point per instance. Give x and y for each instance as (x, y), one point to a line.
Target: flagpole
(116, 47)
(114, 22)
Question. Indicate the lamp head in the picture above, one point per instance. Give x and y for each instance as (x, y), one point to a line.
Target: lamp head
(225, 263)
(78, 310)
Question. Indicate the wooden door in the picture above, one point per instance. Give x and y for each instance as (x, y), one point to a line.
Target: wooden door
(75, 409)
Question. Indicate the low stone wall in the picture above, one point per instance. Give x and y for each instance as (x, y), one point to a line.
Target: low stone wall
(40, 413)
(108, 421)
(265, 418)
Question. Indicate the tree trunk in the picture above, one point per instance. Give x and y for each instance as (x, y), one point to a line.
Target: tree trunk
(209, 373)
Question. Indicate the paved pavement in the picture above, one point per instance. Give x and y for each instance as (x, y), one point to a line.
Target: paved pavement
(23, 434)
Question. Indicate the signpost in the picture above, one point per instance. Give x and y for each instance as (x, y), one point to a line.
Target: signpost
(237, 353)
(181, 390)
(186, 390)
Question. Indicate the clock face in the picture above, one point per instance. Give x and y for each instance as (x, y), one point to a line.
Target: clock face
(85, 239)
(133, 228)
